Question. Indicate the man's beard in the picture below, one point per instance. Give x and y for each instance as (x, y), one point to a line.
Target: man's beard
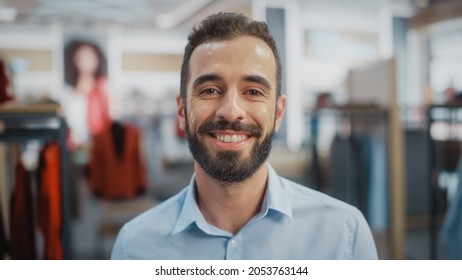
(229, 166)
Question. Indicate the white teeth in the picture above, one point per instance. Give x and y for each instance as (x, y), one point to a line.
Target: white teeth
(231, 138)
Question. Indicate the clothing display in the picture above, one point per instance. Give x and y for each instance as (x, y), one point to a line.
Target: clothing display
(417, 159)
(22, 224)
(49, 202)
(452, 226)
(117, 170)
(358, 176)
(150, 144)
(39, 228)
(377, 184)
(345, 171)
(295, 222)
(35, 210)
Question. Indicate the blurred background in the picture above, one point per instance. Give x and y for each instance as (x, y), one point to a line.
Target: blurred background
(89, 138)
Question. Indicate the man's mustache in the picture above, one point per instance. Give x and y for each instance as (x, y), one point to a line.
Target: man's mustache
(226, 125)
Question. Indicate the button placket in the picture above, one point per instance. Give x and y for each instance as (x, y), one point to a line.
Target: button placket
(234, 250)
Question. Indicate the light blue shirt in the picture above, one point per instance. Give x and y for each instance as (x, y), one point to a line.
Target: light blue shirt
(295, 222)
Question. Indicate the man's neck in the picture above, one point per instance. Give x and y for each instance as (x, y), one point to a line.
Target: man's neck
(229, 206)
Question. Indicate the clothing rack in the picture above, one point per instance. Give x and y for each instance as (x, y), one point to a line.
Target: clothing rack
(451, 115)
(41, 121)
(376, 84)
(358, 162)
(383, 122)
(362, 117)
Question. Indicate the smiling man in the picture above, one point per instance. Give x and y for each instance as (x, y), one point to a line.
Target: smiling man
(236, 206)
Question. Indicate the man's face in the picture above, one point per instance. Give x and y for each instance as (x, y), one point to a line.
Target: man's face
(231, 113)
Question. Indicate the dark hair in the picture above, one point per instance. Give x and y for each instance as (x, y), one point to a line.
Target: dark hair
(226, 26)
(70, 69)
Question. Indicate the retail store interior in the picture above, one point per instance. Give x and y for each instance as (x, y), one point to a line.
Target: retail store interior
(373, 118)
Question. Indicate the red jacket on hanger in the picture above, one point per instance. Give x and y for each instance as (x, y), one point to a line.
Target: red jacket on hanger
(49, 202)
(116, 168)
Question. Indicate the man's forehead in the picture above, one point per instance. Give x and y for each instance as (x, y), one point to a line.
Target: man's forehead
(246, 51)
(259, 45)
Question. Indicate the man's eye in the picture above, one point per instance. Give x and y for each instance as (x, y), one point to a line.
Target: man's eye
(209, 91)
(254, 92)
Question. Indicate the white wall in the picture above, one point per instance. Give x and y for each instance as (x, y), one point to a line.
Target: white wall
(49, 38)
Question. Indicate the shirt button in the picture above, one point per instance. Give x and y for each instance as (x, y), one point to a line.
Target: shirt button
(233, 243)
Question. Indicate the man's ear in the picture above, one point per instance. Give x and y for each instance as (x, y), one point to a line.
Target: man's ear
(280, 109)
(180, 112)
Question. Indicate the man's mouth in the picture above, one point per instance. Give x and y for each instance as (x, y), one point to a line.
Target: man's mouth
(233, 134)
(230, 138)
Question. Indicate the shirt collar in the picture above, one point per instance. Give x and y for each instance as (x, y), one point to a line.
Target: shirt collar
(276, 199)
(190, 212)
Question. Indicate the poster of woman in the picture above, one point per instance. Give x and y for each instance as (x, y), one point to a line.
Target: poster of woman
(85, 101)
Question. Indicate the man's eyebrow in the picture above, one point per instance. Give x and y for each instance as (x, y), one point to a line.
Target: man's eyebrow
(205, 78)
(257, 79)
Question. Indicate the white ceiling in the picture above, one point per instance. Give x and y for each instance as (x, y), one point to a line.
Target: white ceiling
(129, 13)
(163, 14)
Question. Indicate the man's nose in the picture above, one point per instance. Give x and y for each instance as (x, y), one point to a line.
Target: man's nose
(231, 106)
